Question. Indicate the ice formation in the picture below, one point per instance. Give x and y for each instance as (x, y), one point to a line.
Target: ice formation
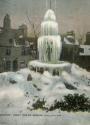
(49, 43)
(18, 98)
(49, 47)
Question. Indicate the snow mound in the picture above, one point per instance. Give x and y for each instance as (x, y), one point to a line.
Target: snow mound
(10, 93)
(77, 71)
(42, 85)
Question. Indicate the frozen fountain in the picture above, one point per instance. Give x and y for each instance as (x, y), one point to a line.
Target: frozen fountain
(49, 44)
(49, 47)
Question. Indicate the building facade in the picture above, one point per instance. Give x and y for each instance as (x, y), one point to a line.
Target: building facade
(15, 50)
(75, 53)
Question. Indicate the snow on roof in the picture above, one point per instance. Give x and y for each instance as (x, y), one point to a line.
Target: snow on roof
(68, 41)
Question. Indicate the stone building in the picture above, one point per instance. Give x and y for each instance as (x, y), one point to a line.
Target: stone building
(74, 52)
(15, 49)
(84, 56)
(70, 48)
(87, 38)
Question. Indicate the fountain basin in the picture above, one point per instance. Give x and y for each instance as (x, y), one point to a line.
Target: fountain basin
(54, 69)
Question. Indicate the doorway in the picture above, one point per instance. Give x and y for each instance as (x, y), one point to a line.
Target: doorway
(15, 65)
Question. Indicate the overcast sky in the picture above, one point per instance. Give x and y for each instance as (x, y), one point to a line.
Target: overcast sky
(71, 14)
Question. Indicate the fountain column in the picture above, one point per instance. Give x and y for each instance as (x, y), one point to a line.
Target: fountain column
(49, 43)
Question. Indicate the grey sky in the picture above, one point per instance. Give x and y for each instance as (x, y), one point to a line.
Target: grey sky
(71, 14)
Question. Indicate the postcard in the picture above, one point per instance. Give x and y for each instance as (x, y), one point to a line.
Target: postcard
(44, 62)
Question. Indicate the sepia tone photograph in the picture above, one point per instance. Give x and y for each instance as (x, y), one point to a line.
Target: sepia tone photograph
(44, 62)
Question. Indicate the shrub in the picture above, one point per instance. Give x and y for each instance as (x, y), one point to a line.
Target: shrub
(71, 102)
(39, 104)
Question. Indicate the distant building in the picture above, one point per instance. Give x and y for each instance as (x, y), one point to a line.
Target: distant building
(84, 56)
(70, 53)
(15, 48)
(70, 48)
(87, 38)
(84, 50)
(69, 38)
(75, 53)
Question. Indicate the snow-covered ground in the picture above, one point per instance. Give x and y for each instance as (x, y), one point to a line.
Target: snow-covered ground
(17, 96)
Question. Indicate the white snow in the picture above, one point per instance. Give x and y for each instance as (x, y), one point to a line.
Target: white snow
(61, 64)
(19, 97)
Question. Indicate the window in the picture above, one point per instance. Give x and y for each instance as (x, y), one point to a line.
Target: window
(25, 51)
(15, 65)
(10, 41)
(8, 51)
(81, 50)
(22, 64)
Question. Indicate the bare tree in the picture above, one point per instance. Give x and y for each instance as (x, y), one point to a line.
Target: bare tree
(34, 28)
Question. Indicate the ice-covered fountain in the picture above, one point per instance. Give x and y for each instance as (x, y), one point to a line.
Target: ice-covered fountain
(49, 47)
